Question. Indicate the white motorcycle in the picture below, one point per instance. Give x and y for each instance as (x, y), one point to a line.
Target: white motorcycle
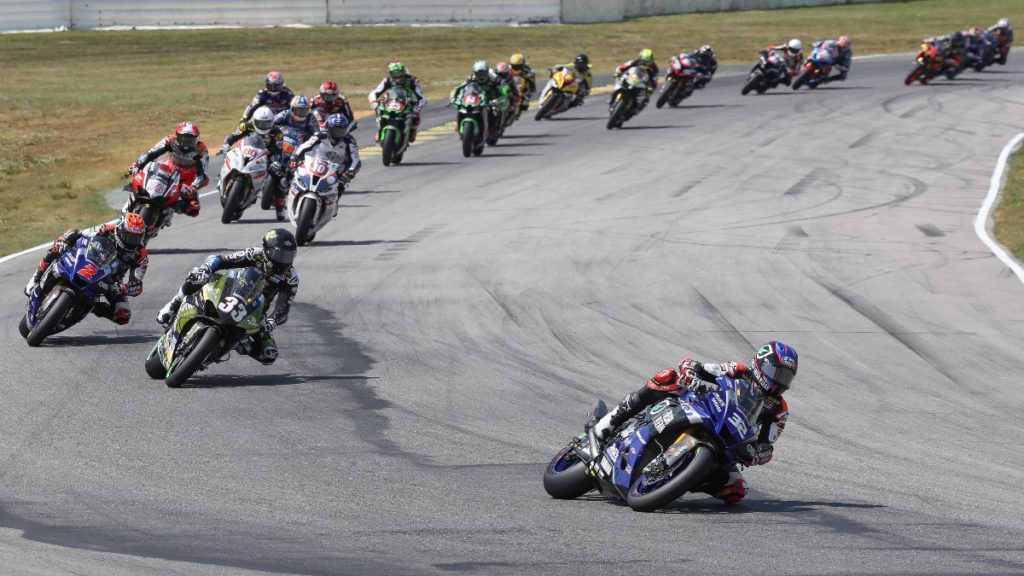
(314, 193)
(244, 177)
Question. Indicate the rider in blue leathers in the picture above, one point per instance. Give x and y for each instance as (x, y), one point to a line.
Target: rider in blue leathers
(335, 142)
(840, 46)
(275, 96)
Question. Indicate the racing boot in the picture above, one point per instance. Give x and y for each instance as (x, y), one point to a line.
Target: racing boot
(734, 489)
(170, 310)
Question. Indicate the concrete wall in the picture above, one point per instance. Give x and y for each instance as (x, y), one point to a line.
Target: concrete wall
(50, 14)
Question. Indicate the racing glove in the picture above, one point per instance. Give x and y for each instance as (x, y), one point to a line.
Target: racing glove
(763, 453)
(267, 325)
(59, 246)
(224, 148)
(132, 170)
(200, 274)
(134, 288)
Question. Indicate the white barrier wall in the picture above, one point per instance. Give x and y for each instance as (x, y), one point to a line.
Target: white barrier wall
(50, 14)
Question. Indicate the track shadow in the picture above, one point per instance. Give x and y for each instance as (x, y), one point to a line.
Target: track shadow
(429, 163)
(504, 155)
(574, 118)
(710, 505)
(515, 144)
(672, 127)
(102, 340)
(358, 192)
(515, 136)
(238, 380)
(316, 243)
(171, 251)
(830, 88)
(696, 106)
(257, 221)
(352, 205)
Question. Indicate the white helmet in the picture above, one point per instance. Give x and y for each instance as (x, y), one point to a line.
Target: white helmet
(795, 46)
(263, 120)
(1003, 23)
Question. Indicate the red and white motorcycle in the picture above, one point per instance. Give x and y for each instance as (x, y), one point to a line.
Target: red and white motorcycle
(244, 177)
(155, 194)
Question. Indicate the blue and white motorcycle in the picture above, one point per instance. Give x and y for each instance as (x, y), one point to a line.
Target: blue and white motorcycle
(665, 451)
(69, 288)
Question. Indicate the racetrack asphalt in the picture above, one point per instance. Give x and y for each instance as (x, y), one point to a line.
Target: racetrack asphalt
(459, 317)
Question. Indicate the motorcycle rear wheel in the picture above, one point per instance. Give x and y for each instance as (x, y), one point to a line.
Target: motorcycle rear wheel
(207, 344)
(234, 200)
(60, 307)
(304, 221)
(684, 480)
(566, 476)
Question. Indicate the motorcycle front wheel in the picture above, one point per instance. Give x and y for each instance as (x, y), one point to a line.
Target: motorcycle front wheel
(666, 93)
(154, 368)
(234, 200)
(618, 109)
(388, 145)
(23, 326)
(547, 106)
(755, 79)
(468, 137)
(304, 221)
(207, 344)
(60, 307)
(801, 79)
(647, 496)
(566, 476)
(914, 74)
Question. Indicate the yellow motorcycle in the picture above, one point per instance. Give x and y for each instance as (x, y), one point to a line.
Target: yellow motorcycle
(558, 95)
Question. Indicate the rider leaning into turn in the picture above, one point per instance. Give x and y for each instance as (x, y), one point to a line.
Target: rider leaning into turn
(646, 61)
(581, 68)
(128, 234)
(274, 257)
(774, 368)
(706, 62)
(844, 58)
(792, 53)
(275, 96)
(398, 75)
(504, 74)
(190, 158)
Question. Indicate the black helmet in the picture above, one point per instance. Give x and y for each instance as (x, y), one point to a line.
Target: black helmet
(279, 247)
(707, 53)
(775, 367)
(958, 38)
(581, 63)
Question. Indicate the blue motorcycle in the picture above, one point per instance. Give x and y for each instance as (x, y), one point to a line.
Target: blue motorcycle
(70, 288)
(816, 69)
(670, 448)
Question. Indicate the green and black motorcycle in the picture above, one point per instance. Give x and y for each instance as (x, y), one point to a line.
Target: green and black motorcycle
(394, 111)
(471, 108)
(208, 325)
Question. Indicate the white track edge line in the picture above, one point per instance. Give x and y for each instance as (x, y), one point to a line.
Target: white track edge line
(994, 190)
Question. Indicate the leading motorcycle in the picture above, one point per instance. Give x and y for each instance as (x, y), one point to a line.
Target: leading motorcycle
(69, 288)
(208, 325)
(243, 178)
(630, 90)
(471, 119)
(670, 448)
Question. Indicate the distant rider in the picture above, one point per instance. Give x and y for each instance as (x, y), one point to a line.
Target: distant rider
(774, 367)
(504, 73)
(275, 96)
(581, 68)
(190, 158)
(330, 101)
(398, 75)
(275, 257)
(298, 122)
(646, 61)
(128, 234)
(494, 88)
(1003, 33)
(336, 144)
(262, 124)
(841, 47)
(521, 67)
(706, 62)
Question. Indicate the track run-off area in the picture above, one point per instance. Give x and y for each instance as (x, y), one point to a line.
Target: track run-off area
(458, 318)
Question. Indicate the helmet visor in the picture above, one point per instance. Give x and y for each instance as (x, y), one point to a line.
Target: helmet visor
(263, 126)
(337, 132)
(129, 240)
(781, 376)
(187, 142)
(281, 258)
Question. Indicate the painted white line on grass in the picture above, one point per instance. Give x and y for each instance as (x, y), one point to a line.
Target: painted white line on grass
(994, 189)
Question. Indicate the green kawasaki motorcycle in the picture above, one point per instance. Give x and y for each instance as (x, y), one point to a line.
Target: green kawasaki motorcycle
(395, 113)
(208, 325)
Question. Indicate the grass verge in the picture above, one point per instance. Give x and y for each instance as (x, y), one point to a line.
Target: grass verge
(78, 107)
(1009, 215)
